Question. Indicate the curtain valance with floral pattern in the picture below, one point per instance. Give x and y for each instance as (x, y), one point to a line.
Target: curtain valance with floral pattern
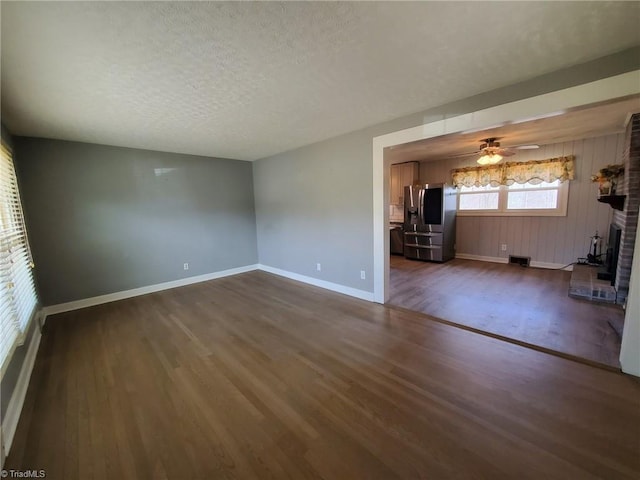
(534, 172)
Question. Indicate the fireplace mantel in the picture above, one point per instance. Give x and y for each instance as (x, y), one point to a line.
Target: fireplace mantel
(616, 201)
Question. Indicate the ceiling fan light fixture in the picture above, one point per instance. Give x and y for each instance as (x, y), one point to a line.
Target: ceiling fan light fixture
(489, 158)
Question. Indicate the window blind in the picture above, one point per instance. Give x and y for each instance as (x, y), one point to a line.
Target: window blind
(18, 298)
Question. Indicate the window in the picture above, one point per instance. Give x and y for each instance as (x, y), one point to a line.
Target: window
(543, 199)
(536, 187)
(17, 293)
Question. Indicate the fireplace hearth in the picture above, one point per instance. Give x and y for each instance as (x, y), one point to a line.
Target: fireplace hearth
(586, 285)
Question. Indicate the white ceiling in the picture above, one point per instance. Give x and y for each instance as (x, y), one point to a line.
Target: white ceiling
(562, 126)
(247, 80)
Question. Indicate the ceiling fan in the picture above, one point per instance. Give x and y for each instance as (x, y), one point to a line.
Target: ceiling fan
(491, 152)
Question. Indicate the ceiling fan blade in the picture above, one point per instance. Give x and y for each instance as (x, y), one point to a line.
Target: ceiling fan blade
(468, 154)
(487, 148)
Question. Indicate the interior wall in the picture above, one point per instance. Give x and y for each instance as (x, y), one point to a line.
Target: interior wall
(550, 240)
(106, 219)
(630, 348)
(314, 204)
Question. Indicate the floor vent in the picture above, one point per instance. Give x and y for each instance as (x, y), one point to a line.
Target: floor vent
(522, 261)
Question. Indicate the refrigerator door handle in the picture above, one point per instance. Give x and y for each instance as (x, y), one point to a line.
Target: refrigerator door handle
(420, 206)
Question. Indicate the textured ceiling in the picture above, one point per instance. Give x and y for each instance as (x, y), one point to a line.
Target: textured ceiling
(564, 126)
(247, 80)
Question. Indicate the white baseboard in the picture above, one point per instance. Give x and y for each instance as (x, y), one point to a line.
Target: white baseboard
(534, 263)
(335, 287)
(10, 420)
(482, 258)
(112, 297)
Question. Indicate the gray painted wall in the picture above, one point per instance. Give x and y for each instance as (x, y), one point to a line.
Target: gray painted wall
(314, 204)
(106, 219)
(311, 208)
(559, 240)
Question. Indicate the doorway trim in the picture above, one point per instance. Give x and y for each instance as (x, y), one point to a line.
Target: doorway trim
(599, 91)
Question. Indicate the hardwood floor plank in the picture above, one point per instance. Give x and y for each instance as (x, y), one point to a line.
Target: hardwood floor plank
(530, 305)
(257, 376)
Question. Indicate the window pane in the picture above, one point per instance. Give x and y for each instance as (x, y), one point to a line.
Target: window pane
(487, 188)
(479, 201)
(528, 186)
(527, 200)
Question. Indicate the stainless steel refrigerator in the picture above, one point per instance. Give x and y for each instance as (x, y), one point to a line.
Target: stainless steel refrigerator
(430, 222)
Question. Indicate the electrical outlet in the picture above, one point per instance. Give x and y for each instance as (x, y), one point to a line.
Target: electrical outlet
(318, 267)
(503, 247)
(363, 275)
(186, 266)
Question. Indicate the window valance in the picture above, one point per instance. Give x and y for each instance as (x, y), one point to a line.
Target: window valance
(534, 172)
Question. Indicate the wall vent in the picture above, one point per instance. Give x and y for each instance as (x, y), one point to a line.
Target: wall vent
(522, 261)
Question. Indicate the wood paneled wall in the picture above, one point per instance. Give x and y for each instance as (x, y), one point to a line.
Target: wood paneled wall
(551, 240)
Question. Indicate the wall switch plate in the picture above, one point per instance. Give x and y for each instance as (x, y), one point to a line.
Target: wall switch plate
(318, 267)
(186, 266)
(503, 247)
(363, 275)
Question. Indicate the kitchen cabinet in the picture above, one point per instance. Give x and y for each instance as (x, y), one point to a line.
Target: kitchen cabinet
(401, 175)
(396, 240)
(394, 185)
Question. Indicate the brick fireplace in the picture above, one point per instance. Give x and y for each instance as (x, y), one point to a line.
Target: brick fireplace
(627, 219)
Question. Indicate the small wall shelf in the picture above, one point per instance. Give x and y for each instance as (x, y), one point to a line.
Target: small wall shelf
(616, 201)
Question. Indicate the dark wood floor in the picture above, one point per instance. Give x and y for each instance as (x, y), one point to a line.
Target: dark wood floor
(530, 305)
(256, 376)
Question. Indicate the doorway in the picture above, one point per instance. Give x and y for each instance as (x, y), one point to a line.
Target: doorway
(607, 89)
